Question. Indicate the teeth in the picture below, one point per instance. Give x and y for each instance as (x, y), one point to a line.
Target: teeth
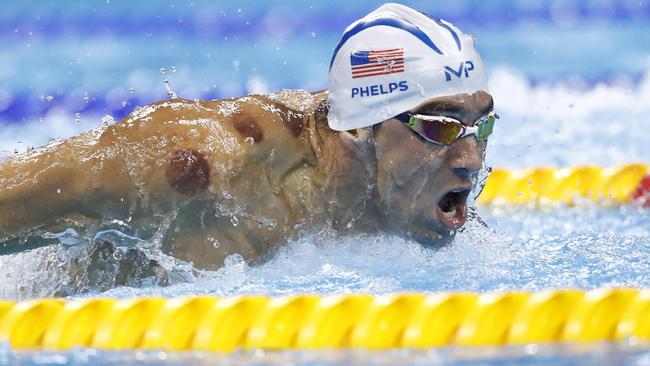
(451, 213)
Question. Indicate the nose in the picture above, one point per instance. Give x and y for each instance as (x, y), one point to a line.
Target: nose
(465, 157)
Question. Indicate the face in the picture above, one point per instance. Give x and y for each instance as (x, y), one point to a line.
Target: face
(423, 186)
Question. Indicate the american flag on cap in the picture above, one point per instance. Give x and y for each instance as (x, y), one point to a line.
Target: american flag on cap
(377, 62)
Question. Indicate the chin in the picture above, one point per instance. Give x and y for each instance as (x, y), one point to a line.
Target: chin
(431, 238)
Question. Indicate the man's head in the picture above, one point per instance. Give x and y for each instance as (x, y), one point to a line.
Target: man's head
(423, 186)
(422, 86)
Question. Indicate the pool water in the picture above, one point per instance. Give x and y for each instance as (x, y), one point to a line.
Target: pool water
(571, 81)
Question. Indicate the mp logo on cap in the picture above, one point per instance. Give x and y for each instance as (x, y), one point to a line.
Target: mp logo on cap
(463, 68)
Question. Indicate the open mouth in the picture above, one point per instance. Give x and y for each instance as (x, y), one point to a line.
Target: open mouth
(452, 208)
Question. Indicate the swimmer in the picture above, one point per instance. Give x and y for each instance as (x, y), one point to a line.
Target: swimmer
(393, 146)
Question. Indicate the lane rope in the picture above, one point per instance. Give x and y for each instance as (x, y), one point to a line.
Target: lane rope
(331, 322)
(363, 321)
(617, 185)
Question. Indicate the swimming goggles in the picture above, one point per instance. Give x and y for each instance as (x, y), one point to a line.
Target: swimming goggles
(444, 130)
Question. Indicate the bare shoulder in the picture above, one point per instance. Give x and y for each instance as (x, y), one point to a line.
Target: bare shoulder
(252, 118)
(227, 139)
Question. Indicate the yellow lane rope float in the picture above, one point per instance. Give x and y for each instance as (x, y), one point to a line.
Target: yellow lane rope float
(623, 184)
(311, 322)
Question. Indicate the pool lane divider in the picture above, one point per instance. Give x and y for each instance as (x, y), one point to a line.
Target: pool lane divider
(624, 184)
(413, 321)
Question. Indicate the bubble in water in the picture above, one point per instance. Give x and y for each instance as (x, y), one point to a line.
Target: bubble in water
(131, 90)
(172, 69)
(215, 243)
(162, 70)
(234, 221)
(313, 34)
(86, 99)
(77, 117)
(49, 98)
(118, 254)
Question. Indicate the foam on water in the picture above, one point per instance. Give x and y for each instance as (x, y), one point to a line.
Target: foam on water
(583, 247)
(568, 123)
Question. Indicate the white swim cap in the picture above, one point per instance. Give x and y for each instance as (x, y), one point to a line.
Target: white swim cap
(393, 60)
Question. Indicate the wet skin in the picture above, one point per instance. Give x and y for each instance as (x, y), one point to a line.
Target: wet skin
(205, 179)
(414, 174)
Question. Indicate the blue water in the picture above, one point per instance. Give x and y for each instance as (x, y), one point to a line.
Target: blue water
(571, 80)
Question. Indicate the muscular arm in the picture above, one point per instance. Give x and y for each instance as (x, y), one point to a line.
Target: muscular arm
(117, 170)
(44, 183)
(201, 163)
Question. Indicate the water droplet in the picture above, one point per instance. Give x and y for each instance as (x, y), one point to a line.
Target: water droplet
(15, 151)
(86, 99)
(49, 98)
(215, 242)
(233, 260)
(77, 117)
(172, 69)
(131, 90)
(118, 254)
(170, 92)
(234, 221)
(162, 70)
(108, 120)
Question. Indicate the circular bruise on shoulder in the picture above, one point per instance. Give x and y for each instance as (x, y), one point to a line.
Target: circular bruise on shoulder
(247, 126)
(188, 171)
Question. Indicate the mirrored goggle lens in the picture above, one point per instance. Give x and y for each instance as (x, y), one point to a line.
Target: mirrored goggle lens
(442, 132)
(485, 128)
